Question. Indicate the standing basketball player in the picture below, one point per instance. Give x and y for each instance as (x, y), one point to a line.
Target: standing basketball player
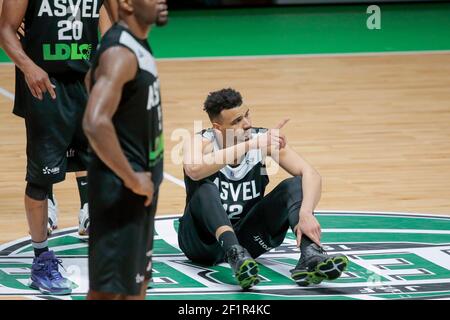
(52, 59)
(106, 16)
(227, 216)
(123, 122)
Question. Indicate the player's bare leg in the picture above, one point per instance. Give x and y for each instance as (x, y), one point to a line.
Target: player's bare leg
(37, 218)
(45, 276)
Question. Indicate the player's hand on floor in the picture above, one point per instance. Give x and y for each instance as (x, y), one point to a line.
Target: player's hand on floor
(309, 226)
(143, 186)
(38, 82)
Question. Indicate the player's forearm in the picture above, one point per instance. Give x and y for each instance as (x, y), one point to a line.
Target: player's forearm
(208, 164)
(105, 22)
(13, 48)
(103, 140)
(312, 190)
(112, 10)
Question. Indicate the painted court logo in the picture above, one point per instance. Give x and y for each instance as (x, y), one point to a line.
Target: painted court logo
(392, 256)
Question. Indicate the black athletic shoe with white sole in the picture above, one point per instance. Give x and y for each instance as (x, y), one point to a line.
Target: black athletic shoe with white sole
(244, 267)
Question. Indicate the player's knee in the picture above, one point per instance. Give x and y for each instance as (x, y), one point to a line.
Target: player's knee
(36, 192)
(291, 185)
(208, 191)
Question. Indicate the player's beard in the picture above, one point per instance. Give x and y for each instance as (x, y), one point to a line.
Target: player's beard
(161, 21)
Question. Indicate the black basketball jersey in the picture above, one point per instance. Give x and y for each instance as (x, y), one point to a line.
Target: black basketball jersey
(61, 35)
(240, 187)
(138, 119)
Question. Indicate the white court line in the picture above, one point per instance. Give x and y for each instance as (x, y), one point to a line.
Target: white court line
(7, 94)
(364, 297)
(414, 231)
(175, 180)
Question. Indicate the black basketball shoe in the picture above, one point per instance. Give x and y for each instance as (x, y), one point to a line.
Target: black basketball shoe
(244, 266)
(315, 265)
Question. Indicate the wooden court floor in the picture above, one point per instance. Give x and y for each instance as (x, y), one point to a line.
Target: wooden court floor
(377, 128)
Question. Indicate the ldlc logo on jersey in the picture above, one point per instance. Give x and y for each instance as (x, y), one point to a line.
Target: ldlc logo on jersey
(392, 256)
(62, 51)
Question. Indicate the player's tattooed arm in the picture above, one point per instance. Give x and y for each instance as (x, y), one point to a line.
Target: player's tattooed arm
(13, 13)
(116, 67)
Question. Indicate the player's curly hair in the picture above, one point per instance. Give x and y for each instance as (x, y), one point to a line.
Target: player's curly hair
(220, 100)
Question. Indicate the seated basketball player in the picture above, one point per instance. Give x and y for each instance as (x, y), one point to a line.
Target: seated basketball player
(227, 216)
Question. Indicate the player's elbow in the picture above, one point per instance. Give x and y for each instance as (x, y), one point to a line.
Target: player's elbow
(312, 173)
(193, 172)
(88, 126)
(92, 125)
(5, 28)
